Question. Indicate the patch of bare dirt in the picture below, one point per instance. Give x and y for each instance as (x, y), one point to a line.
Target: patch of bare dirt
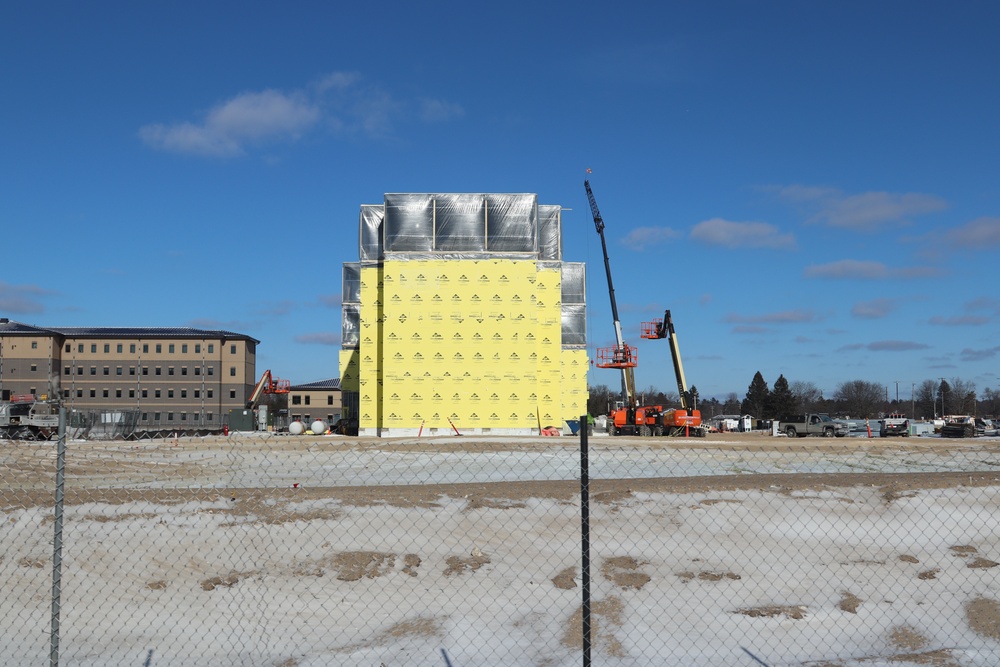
(456, 565)
(907, 638)
(983, 616)
(355, 565)
(422, 626)
(606, 618)
(906, 558)
(227, 581)
(566, 579)
(624, 572)
(929, 574)
(707, 576)
(849, 603)
(963, 550)
(157, 585)
(982, 563)
(796, 612)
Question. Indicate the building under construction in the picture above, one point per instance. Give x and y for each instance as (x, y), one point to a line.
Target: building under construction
(460, 316)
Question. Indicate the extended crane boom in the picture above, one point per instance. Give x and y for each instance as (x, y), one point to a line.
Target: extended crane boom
(621, 356)
(665, 329)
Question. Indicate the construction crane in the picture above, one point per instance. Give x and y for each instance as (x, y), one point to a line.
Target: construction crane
(687, 420)
(267, 385)
(621, 356)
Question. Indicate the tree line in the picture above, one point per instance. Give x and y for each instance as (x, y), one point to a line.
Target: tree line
(856, 399)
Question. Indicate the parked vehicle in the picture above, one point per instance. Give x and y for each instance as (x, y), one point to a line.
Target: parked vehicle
(959, 427)
(24, 417)
(799, 426)
(894, 424)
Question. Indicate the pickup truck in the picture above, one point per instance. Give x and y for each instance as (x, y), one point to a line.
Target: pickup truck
(799, 426)
(895, 424)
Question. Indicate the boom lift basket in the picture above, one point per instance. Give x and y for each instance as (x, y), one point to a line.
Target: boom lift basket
(654, 329)
(619, 356)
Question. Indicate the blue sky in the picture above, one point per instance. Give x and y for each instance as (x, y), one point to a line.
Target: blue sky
(813, 189)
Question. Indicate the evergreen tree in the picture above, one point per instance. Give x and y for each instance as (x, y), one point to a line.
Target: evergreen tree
(781, 400)
(755, 403)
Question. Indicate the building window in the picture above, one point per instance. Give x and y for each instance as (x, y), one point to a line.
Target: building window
(156, 393)
(34, 367)
(145, 416)
(65, 393)
(107, 347)
(159, 371)
(107, 371)
(307, 399)
(184, 370)
(118, 393)
(170, 371)
(184, 393)
(93, 370)
(210, 417)
(197, 393)
(184, 416)
(329, 400)
(170, 416)
(145, 348)
(145, 393)
(79, 348)
(68, 348)
(93, 393)
(145, 370)
(79, 370)
(131, 393)
(211, 348)
(197, 348)
(197, 370)
(131, 370)
(32, 391)
(66, 370)
(118, 370)
(93, 348)
(232, 349)
(106, 393)
(170, 393)
(159, 348)
(79, 393)
(34, 345)
(170, 348)
(184, 348)
(210, 370)
(232, 393)
(232, 371)
(296, 400)
(209, 393)
(156, 416)
(119, 348)
(131, 348)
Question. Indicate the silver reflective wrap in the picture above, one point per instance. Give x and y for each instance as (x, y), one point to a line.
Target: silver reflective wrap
(549, 232)
(351, 325)
(371, 232)
(574, 282)
(351, 290)
(574, 324)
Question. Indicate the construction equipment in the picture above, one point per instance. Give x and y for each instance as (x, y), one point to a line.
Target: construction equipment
(622, 419)
(687, 420)
(267, 385)
(27, 417)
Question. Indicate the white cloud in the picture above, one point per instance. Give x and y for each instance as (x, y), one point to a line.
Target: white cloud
(643, 238)
(229, 127)
(980, 234)
(729, 234)
(848, 268)
(339, 101)
(862, 212)
(22, 299)
(874, 309)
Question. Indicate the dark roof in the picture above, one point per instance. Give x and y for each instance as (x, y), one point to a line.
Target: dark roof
(332, 383)
(11, 327)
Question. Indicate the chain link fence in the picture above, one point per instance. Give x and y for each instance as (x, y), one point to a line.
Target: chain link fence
(735, 549)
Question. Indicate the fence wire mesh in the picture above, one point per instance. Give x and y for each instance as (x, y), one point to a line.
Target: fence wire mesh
(735, 549)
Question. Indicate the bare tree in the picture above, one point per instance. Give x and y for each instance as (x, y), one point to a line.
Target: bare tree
(860, 399)
(924, 399)
(807, 396)
(963, 399)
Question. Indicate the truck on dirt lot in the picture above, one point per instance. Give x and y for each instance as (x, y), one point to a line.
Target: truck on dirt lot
(24, 417)
(799, 426)
(894, 424)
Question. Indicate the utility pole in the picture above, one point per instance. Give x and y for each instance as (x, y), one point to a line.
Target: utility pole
(897, 393)
(941, 391)
(913, 402)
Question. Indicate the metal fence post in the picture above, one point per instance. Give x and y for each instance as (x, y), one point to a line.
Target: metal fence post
(585, 538)
(57, 539)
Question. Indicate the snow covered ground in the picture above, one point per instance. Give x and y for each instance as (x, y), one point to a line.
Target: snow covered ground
(257, 552)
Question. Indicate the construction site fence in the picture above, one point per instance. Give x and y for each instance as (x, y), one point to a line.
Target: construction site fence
(271, 550)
